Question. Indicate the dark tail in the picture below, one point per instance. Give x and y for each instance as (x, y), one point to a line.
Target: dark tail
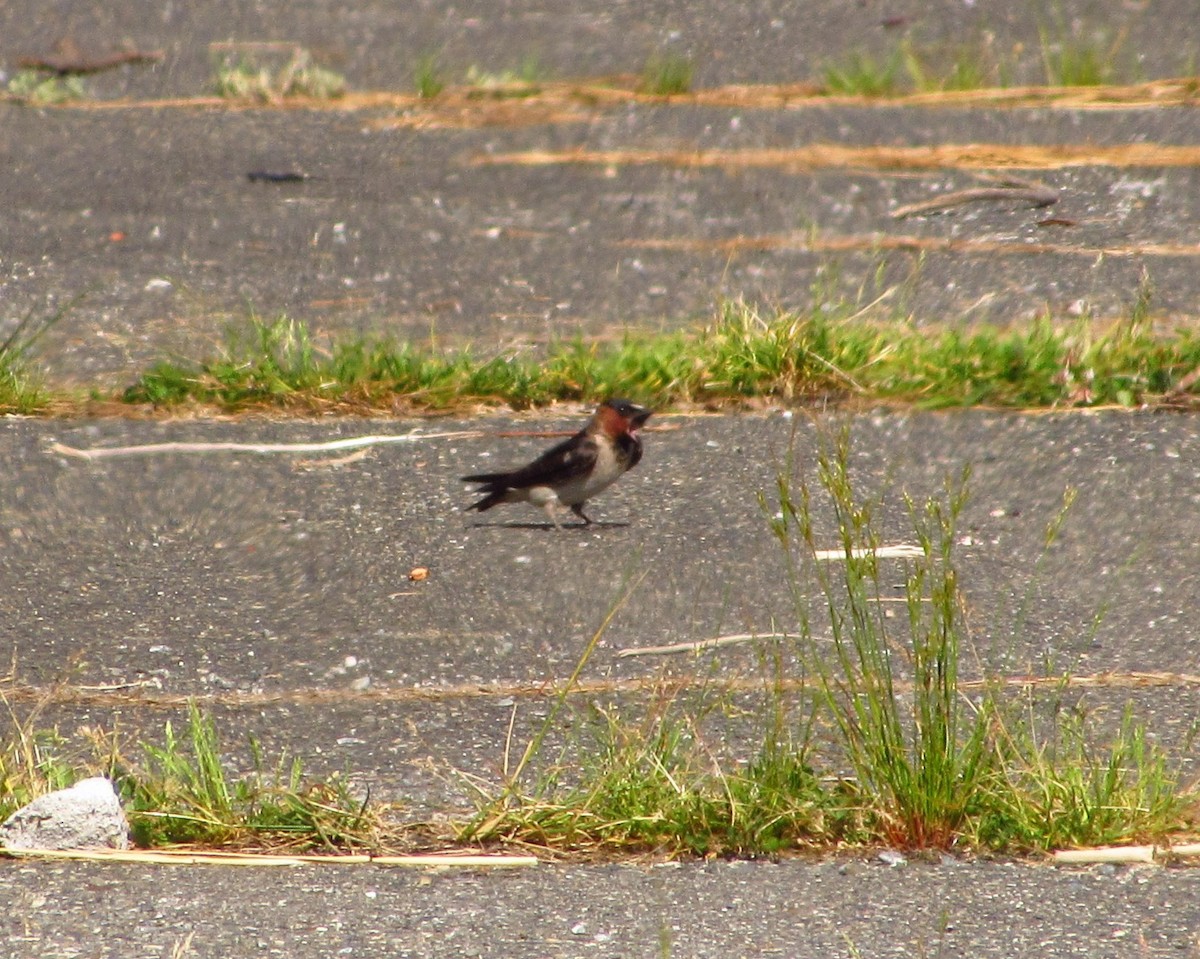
(493, 484)
(488, 479)
(488, 502)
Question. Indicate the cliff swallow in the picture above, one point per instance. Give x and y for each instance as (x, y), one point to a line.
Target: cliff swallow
(575, 470)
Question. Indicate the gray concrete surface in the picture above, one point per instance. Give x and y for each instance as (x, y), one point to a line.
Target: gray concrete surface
(277, 592)
(714, 910)
(313, 559)
(378, 44)
(401, 233)
(255, 579)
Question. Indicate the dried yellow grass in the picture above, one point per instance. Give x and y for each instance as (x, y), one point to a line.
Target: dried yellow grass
(189, 857)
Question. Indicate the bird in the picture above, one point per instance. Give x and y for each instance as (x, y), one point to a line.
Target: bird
(571, 473)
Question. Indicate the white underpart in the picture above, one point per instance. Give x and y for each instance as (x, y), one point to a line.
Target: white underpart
(606, 472)
(547, 499)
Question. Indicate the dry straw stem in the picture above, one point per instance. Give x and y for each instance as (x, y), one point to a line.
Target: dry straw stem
(185, 857)
(1166, 92)
(698, 645)
(942, 156)
(878, 242)
(575, 101)
(145, 697)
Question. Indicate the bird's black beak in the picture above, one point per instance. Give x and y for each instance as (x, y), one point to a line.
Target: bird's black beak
(638, 417)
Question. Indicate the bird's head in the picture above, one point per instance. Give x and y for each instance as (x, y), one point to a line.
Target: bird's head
(621, 417)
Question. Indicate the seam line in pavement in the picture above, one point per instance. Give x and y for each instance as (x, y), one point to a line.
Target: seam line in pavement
(139, 696)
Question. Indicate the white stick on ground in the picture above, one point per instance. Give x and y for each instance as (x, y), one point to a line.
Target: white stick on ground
(1106, 854)
(1127, 854)
(353, 442)
(901, 551)
(697, 645)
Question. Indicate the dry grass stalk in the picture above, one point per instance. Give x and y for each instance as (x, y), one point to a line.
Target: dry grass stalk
(186, 857)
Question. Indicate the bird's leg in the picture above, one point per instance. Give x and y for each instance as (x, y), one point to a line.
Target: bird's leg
(546, 498)
(577, 509)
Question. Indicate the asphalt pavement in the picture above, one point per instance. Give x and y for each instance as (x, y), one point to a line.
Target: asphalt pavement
(275, 588)
(407, 234)
(711, 910)
(508, 223)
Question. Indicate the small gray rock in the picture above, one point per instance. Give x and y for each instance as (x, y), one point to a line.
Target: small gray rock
(86, 816)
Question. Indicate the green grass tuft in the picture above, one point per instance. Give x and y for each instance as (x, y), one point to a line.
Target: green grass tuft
(39, 88)
(1066, 61)
(667, 75)
(428, 77)
(183, 793)
(921, 767)
(967, 68)
(658, 788)
(1070, 62)
(1066, 791)
(526, 81)
(860, 74)
(828, 354)
(245, 75)
(32, 764)
(21, 387)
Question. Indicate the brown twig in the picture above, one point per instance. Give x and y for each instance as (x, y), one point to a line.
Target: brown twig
(1006, 190)
(75, 64)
